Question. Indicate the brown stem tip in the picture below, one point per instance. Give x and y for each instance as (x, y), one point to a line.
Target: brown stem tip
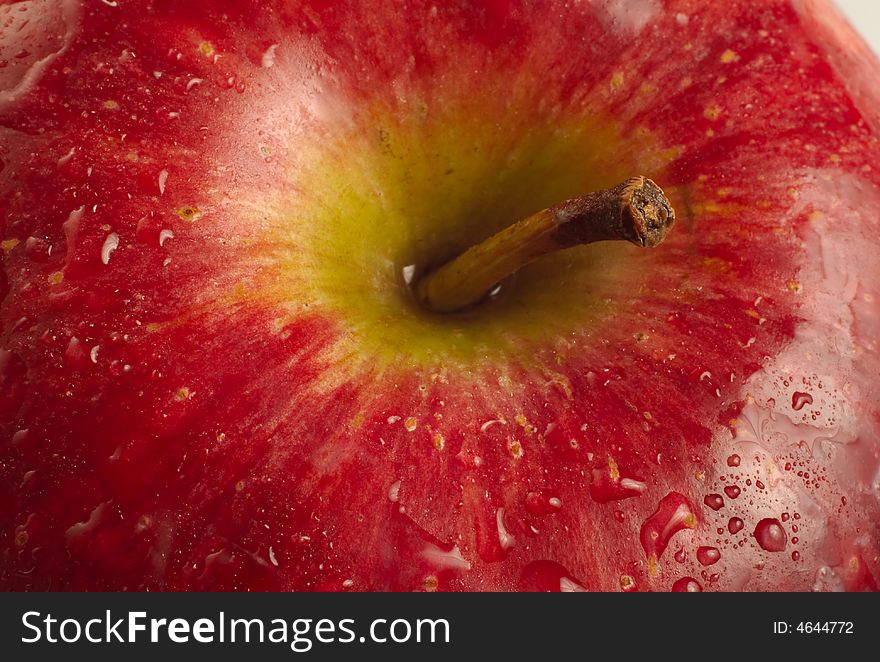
(635, 210)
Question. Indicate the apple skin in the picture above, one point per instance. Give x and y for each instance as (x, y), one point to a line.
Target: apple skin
(213, 379)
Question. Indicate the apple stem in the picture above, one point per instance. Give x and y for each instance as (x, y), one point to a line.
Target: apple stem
(635, 210)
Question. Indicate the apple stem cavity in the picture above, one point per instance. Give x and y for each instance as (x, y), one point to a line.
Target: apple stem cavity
(635, 210)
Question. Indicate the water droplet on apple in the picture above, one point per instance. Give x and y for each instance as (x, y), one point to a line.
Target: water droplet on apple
(538, 503)
(64, 159)
(546, 576)
(799, 400)
(714, 501)
(495, 421)
(567, 585)
(505, 539)
(735, 525)
(687, 585)
(770, 535)
(80, 530)
(733, 460)
(110, 244)
(673, 514)
(609, 484)
(74, 353)
(732, 491)
(445, 559)
(708, 555)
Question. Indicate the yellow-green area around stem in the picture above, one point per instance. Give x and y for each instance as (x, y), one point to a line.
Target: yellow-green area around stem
(390, 193)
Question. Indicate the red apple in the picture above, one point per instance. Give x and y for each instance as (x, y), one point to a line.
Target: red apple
(214, 375)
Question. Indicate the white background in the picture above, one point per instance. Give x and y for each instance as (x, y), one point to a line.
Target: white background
(865, 16)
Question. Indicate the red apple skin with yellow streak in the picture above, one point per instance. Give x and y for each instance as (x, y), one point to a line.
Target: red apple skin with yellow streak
(213, 376)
